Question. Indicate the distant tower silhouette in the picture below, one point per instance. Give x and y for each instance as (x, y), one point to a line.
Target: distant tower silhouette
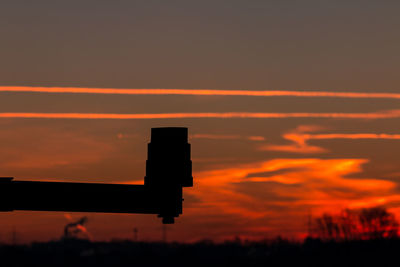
(164, 233)
(309, 223)
(135, 234)
(14, 236)
(71, 230)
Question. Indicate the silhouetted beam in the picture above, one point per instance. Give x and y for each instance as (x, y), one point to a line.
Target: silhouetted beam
(80, 197)
(168, 169)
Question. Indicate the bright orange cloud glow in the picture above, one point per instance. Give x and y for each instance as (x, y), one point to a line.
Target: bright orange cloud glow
(373, 115)
(207, 92)
(295, 185)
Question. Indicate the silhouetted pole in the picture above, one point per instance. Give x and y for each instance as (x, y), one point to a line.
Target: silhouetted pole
(14, 236)
(309, 223)
(135, 234)
(164, 233)
(168, 169)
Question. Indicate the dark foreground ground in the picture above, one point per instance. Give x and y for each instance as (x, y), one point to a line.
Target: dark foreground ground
(277, 253)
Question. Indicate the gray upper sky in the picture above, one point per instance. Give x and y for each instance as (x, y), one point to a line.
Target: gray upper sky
(331, 45)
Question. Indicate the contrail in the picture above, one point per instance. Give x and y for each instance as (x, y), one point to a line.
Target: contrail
(198, 92)
(375, 115)
(300, 140)
(349, 136)
(226, 137)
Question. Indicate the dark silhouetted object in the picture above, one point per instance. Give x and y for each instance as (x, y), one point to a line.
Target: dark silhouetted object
(135, 234)
(168, 169)
(268, 253)
(358, 224)
(164, 233)
(14, 236)
(74, 228)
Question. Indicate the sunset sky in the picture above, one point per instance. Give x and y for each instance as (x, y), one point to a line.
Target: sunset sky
(293, 108)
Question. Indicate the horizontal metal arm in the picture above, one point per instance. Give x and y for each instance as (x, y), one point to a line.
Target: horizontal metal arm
(168, 170)
(79, 197)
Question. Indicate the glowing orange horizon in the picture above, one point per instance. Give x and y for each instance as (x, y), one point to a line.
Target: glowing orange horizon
(198, 92)
(373, 115)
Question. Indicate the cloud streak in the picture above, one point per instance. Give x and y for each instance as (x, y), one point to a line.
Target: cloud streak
(198, 92)
(391, 114)
(349, 136)
(300, 140)
(226, 137)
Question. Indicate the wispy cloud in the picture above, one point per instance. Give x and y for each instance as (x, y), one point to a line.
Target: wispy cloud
(390, 114)
(204, 92)
(227, 137)
(350, 136)
(215, 136)
(284, 189)
(299, 138)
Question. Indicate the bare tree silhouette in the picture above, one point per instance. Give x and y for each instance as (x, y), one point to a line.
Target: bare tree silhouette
(378, 223)
(367, 223)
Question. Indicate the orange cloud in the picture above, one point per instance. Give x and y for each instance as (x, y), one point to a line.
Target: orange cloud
(226, 137)
(349, 136)
(207, 92)
(278, 193)
(299, 140)
(223, 115)
(215, 136)
(256, 138)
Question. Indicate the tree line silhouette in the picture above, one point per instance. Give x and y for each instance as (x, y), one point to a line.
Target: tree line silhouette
(359, 237)
(356, 224)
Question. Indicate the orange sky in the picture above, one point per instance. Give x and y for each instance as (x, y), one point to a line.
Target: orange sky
(255, 181)
(292, 108)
